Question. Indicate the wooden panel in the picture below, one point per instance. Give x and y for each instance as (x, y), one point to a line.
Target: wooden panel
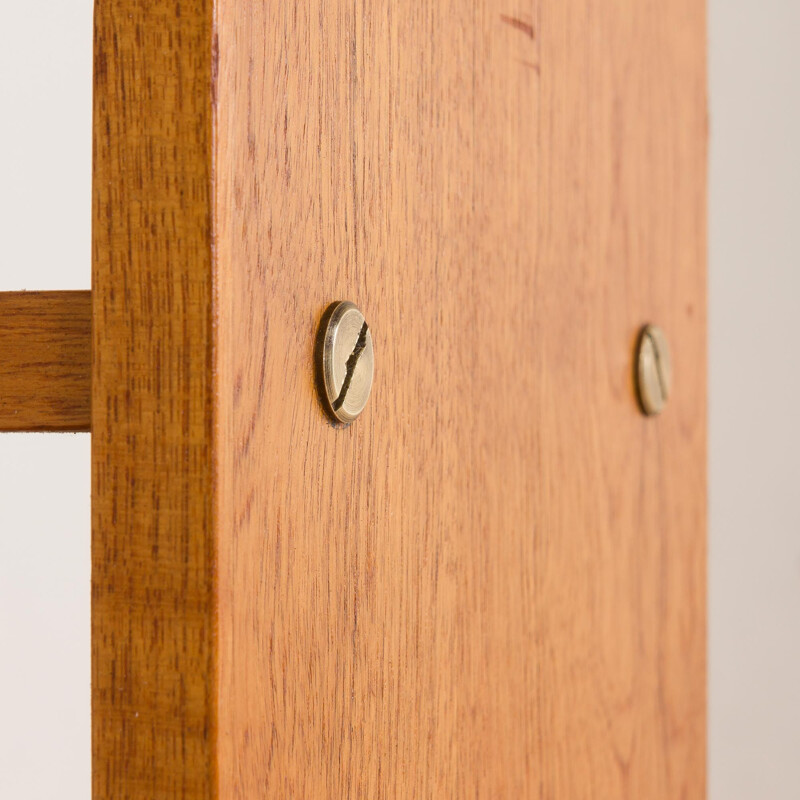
(45, 361)
(492, 584)
(153, 688)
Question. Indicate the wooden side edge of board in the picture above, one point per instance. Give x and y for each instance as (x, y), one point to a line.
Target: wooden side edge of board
(153, 596)
(45, 361)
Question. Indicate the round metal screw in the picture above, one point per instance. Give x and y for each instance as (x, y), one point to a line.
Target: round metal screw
(344, 361)
(653, 370)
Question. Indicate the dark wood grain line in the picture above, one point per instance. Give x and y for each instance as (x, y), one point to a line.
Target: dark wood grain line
(525, 27)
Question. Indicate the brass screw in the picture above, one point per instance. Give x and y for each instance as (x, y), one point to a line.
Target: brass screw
(653, 370)
(344, 361)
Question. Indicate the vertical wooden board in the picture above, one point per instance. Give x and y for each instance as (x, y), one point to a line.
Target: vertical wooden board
(493, 583)
(153, 605)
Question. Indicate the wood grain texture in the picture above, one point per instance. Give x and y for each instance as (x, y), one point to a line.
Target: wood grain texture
(153, 609)
(492, 584)
(45, 361)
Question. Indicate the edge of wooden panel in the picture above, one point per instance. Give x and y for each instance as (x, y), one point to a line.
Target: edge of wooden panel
(153, 549)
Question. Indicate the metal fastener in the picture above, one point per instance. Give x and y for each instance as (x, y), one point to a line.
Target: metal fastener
(653, 370)
(344, 361)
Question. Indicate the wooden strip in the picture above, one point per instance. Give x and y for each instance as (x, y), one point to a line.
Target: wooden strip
(45, 361)
(153, 609)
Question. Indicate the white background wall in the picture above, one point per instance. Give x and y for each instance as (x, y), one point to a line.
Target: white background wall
(754, 565)
(754, 656)
(45, 214)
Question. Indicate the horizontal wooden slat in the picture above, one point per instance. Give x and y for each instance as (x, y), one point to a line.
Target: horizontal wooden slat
(45, 361)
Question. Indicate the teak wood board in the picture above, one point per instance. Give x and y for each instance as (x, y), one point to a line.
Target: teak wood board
(154, 538)
(45, 361)
(492, 584)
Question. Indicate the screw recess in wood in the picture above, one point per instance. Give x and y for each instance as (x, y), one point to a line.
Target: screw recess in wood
(344, 361)
(653, 370)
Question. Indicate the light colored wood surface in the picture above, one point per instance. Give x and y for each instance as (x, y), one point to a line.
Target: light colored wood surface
(493, 583)
(45, 361)
(153, 609)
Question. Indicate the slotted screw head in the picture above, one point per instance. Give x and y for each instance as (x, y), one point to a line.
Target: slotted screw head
(344, 361)
(653, 370)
